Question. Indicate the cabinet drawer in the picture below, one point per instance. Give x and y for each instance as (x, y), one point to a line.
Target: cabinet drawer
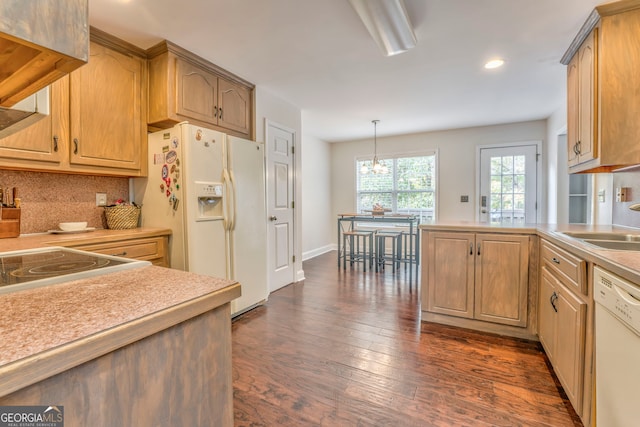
(152, 249)
(571, 269)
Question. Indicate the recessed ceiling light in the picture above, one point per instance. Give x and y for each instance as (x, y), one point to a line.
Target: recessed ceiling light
(494, 63)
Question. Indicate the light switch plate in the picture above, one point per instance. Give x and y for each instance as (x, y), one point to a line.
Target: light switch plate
(101, 199)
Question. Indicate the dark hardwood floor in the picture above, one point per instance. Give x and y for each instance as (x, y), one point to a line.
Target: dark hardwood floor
(348, 349)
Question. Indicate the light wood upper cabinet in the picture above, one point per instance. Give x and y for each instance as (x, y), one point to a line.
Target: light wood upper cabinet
(183, 86)
(44, 141)
(197, 92)
(602, 98)
(107, 112)
(478, 276)
(581, 97)
(234, 106)
(97, 121)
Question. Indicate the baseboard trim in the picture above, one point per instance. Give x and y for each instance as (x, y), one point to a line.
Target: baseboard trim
(319, 251)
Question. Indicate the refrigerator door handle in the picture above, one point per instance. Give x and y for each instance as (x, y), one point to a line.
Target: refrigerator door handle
(225, 201)
(232, 215)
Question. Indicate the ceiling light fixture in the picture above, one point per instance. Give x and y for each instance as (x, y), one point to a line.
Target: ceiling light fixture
(388, 23)
(376, 166)
(494, 63)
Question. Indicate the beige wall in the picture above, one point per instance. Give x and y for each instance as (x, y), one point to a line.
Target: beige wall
(277, 110)
(456, 162)
(317, 232)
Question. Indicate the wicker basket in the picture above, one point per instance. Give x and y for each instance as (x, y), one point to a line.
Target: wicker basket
(121, 217)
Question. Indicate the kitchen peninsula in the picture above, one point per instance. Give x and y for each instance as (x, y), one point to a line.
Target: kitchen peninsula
(528, 281)
(149, 345)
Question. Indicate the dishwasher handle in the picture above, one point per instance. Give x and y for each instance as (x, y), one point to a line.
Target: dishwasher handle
(626, 296)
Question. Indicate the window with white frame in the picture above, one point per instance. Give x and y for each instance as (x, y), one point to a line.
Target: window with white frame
(409, 187)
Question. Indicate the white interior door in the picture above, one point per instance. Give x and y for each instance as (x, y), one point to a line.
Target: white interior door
(508, 184)
(280, 193)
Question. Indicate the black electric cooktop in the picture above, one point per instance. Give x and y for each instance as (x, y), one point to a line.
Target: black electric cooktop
(54, 265)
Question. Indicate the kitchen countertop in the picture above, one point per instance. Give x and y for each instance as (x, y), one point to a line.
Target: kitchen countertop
(623, 263)
(51, 329)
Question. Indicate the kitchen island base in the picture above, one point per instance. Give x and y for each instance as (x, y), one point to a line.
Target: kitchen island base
(178, 376)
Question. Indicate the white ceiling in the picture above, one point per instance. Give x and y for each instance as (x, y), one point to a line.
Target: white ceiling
(317, 55)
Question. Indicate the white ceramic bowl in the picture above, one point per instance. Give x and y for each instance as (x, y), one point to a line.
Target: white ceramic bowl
(72, 226)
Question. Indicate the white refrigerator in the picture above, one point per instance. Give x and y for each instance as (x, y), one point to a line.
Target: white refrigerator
(209, 189)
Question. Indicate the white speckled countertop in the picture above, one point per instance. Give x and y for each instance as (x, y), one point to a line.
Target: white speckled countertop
(623, 263)
(79, 320)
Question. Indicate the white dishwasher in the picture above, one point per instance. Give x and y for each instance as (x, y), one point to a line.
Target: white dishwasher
(617, 344)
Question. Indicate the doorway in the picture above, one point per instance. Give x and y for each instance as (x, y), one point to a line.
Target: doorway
(280, 205)
(508, 190)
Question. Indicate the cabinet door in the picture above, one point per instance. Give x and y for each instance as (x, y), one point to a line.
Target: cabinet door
(450, 273)
(569, 346)
(573, 104)
(40, 141)
(107, 106)
(197, 92)
(587, 114)
(547, 314)
(234, 106)
(502, 278)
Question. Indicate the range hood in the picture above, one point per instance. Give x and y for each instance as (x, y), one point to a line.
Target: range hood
(40, 42)
(24, 113)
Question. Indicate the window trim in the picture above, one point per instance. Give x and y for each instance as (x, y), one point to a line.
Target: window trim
(396, 155)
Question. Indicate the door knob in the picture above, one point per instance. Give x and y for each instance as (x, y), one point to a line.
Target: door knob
(273, 218)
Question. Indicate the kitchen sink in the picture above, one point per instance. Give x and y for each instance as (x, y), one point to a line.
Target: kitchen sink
(596, 236)
(608, 240)
(617, 245)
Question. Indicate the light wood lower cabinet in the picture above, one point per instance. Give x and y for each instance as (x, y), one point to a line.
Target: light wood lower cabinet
(564, 313)
(180, 376)
(478, 276)
(562, 332)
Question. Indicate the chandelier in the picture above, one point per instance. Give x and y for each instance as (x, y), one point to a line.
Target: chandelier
(377, 166)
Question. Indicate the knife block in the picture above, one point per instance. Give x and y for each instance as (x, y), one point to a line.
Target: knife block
(10, 223)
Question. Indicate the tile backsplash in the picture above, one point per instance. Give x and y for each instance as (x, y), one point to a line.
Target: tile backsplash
(49, 198)
(622, 215)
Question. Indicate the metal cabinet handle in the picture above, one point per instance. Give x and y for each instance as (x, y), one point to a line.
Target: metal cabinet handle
(555, 260)
(470, 248)
(120, 254)
(552, 300)
(478, 249)
(220, 110)
(215, 111)
(75, 145)
(55, 143)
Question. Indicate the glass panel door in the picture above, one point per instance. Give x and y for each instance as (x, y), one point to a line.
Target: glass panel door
(508, 184)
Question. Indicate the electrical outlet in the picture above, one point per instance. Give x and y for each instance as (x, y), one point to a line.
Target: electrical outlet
(464, 199)
(101, 199)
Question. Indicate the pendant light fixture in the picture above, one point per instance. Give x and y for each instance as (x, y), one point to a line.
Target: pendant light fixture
(377, 166)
